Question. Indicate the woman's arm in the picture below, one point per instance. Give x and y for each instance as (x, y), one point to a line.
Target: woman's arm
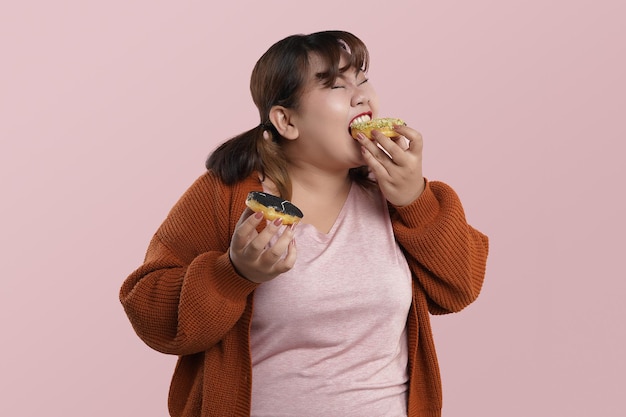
(187, 295)
(447, 256)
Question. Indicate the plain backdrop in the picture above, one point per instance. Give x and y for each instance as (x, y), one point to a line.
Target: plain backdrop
(108, 110)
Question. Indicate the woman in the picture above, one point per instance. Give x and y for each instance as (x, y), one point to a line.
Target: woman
(337, 324)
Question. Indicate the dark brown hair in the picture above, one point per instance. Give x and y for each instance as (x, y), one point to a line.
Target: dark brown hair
(279, 78)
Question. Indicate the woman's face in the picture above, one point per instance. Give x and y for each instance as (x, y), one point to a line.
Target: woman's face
(324, 115)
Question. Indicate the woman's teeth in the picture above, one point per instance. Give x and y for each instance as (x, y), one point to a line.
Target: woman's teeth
(361, 119)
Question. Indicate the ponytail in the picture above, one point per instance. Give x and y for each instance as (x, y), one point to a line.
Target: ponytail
(256, 150)
(236, 158)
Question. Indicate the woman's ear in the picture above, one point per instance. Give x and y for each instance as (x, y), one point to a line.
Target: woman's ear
(281, 119)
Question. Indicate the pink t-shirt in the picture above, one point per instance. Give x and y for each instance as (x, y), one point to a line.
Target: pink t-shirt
(329, 336)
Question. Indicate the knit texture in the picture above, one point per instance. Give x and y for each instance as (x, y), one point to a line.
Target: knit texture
(187, 299)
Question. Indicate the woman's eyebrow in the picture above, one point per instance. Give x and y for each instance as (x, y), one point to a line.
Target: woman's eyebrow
(357, 71)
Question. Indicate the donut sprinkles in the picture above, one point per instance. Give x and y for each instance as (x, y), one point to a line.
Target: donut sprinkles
(273, 207)
(384, 125)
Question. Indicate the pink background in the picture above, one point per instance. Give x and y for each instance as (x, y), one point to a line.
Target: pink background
(108, 110)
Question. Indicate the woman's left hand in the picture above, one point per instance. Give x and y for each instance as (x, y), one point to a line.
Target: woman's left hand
(398, 169)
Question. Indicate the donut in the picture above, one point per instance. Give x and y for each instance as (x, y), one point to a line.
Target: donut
(273, 207)
(384, 125)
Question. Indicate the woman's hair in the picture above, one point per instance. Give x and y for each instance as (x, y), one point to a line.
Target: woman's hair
(279, 78)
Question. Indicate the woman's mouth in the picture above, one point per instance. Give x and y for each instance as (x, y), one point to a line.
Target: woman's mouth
(363, 117)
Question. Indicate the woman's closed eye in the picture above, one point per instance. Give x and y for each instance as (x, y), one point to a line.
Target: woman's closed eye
(343, 86)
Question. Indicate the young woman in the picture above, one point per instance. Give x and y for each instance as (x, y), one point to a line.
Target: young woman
(337, 323)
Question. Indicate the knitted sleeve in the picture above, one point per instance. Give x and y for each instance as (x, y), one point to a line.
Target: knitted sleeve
(187, 295)
(447, 256)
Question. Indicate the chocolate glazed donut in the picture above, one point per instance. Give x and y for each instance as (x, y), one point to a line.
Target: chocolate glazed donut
(273, 207)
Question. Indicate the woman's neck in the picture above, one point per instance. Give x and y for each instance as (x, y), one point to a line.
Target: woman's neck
(320, 184)
(320, 196)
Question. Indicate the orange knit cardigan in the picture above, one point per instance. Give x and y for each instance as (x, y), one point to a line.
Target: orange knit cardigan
(187, 300)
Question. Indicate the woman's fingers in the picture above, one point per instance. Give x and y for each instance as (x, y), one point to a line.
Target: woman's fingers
(259, 244)
(286, 263)
(281, 255)
(378, 158)
(261, 256)
(414, 139)
(246, 228)
(398, 168)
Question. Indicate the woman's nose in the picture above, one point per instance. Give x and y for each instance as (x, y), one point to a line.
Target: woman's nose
(359, 97)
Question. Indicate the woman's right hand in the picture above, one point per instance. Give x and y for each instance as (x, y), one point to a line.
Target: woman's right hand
(251, 254)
